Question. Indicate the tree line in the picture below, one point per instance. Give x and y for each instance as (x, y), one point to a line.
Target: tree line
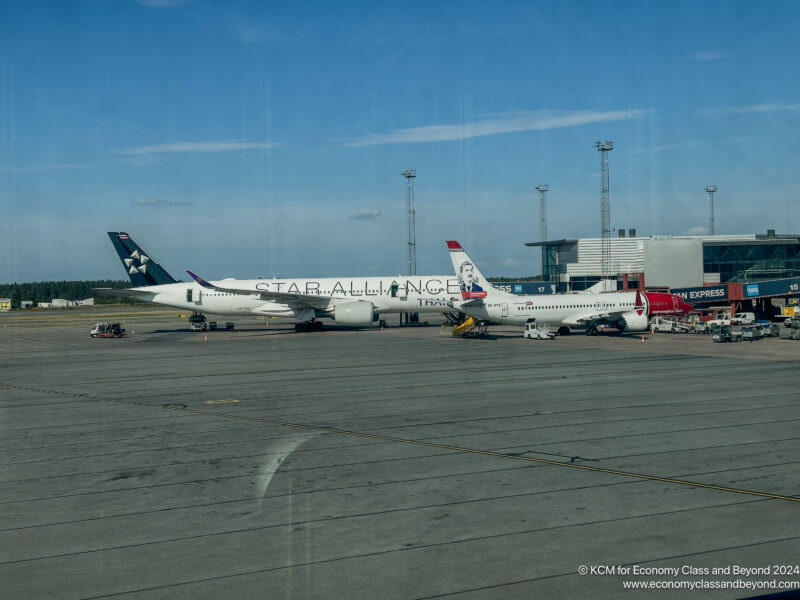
(45, 291)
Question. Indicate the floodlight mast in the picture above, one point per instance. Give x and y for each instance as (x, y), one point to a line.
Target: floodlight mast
(542, 211)
(411, 254)
(605, 208)
(710, 191)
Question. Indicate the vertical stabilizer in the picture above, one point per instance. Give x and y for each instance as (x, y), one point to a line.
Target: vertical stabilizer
(471, 281)
(139, 265)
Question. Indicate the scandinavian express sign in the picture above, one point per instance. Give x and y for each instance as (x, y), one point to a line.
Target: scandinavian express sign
(707, 293)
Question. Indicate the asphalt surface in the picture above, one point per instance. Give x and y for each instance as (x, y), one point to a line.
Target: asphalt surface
(263, 463)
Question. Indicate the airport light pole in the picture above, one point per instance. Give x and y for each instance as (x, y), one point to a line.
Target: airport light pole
(710, 191)
(410, 174)
(411, 254)
(605, 207)
(542, 211)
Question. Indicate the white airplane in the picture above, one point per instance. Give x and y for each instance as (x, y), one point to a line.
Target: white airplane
(627, 311)
(348, 301)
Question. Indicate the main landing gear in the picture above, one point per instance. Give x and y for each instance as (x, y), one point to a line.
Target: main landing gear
(308, 326)
(592, 330)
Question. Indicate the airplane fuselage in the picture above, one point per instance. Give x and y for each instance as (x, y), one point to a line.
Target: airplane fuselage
(387, 294)
(573, 310)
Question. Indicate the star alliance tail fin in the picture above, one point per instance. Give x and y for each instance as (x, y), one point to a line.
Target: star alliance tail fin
(141, 268)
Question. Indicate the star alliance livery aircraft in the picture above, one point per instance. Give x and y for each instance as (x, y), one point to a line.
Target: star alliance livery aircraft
(627, 311)
(348, 301)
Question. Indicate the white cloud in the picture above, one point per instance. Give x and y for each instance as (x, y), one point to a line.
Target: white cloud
(160, 202)
(707, 55)
(697, 231)
(255, 32)
(195, 147)
(752, 108)
(366, 214)
(508, 123)
(47, 168)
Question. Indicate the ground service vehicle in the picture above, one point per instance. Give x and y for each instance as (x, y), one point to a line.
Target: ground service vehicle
(721, 333)
(104, 330)
(794, 325)
(769, 329)
(751, 333)
(743, 318)
(538, 331)
(660, 325)
(197, 322)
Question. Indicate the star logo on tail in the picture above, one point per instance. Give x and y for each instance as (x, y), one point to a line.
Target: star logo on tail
(134, 257)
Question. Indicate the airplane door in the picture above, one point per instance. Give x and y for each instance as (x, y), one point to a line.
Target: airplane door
(191, 296)
(504, 308)
(395, 291)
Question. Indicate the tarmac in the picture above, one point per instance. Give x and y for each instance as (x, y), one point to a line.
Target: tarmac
(360, 463)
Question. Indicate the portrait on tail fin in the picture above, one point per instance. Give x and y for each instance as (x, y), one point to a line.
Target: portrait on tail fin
(469, 282)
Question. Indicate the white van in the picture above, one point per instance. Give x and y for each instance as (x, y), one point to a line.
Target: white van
(743, 318)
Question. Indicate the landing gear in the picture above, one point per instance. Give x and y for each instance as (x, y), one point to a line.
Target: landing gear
(591, 330)
(564, 330)
(308, 326)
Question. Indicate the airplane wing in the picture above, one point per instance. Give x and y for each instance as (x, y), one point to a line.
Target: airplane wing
(473, 303)
(294, 299)
(604, 317)
(596, 318)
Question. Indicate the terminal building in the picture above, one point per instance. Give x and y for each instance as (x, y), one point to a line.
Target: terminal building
(668, 262)
(742, 272)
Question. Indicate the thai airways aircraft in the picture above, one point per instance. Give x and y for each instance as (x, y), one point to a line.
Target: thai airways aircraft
(627, 311)
(348, 301)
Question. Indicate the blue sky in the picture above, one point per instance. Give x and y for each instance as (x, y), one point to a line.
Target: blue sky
(240, 139)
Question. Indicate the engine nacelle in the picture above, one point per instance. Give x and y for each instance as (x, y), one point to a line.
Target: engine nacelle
(631, 321)
(354, 313)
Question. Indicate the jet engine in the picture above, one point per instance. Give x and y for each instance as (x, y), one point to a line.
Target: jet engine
(631, 321)
(354, 313)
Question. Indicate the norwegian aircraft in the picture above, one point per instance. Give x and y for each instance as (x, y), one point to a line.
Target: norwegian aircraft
(348, 301)
(627, 311)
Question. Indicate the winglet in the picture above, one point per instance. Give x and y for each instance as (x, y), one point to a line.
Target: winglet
(639, 307)
(199, 280)
(454, 246)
